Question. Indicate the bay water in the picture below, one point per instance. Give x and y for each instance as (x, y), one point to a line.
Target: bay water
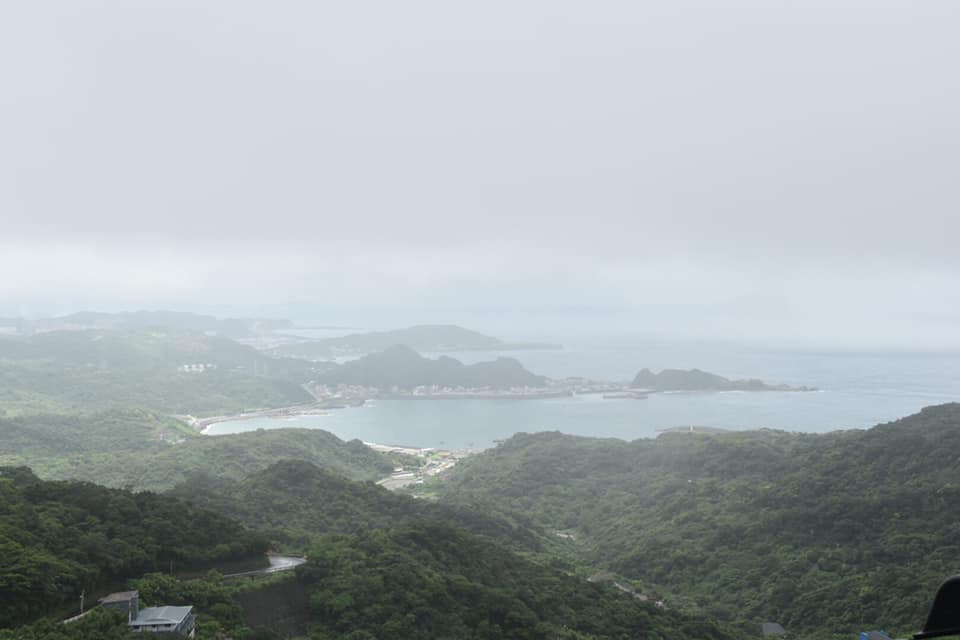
(856, 389)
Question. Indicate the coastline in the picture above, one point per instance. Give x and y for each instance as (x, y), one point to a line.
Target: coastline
(202, 424)
(480, 395)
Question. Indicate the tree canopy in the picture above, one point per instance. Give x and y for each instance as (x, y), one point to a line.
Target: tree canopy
(826, 534)
(59, 538)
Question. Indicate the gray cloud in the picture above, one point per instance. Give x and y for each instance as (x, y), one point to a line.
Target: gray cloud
(694, 153)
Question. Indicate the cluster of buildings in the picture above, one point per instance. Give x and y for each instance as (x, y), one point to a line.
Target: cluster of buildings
(196, 367)
(435, 462)
(343, 394)
(352, 395)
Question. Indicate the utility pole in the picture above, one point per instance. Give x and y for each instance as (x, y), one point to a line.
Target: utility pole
(82, 595)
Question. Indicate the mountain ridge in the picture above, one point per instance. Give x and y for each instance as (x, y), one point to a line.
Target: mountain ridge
(824, 533)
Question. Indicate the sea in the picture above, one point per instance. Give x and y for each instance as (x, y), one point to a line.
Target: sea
(856, 389)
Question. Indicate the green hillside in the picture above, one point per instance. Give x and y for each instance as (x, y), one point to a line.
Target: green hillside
(232, 457)
(427, 580)
(138, 349)
(164, 370)
(59, 538)
(28, 437)
(295, 501)
(100, 624)
(827, 534)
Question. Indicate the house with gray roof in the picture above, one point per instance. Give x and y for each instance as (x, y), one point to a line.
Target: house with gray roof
(178, 620)
(165, 619)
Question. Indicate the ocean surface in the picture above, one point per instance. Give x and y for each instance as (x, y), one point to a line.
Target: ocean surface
(857, 389)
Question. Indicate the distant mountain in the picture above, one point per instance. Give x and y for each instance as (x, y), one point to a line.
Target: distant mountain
(162, 369)
(139, 320)
(402, 367)
(429, 338)
(697, 380)
(142, 349)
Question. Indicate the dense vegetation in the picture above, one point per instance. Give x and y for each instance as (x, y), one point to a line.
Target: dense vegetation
(230, 457)
(217, 603)
(59, 538)
(404, 368)
(100, 624)
(41, 387)
(143, 450)
(28, 437)
(697, 380)
(142, 350)
(295, 501)
(827, 534)
(430, 581)
(83, 371)
(224, 609)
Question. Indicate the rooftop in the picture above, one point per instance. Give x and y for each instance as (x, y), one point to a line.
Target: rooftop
(161, 615)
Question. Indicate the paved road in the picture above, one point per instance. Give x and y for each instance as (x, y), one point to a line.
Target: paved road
(277, 564)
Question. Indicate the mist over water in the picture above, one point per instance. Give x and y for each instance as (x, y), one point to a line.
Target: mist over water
(763, 191)
(855, 390)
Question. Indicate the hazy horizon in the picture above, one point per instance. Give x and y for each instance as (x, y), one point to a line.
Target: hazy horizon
(744, 171)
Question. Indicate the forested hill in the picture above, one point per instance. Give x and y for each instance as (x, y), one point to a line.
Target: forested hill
(162, 466)
(27, 439)
(425, 580)
(59, 538)
(164, 370)
(403, 367)
(827, 534)
(140, 349)
(178, 320)
(295, 501)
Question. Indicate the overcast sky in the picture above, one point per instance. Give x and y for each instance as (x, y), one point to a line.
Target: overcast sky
(789, 170)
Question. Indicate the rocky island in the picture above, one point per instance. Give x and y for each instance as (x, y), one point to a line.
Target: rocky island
(402, 372)
(697, 380)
